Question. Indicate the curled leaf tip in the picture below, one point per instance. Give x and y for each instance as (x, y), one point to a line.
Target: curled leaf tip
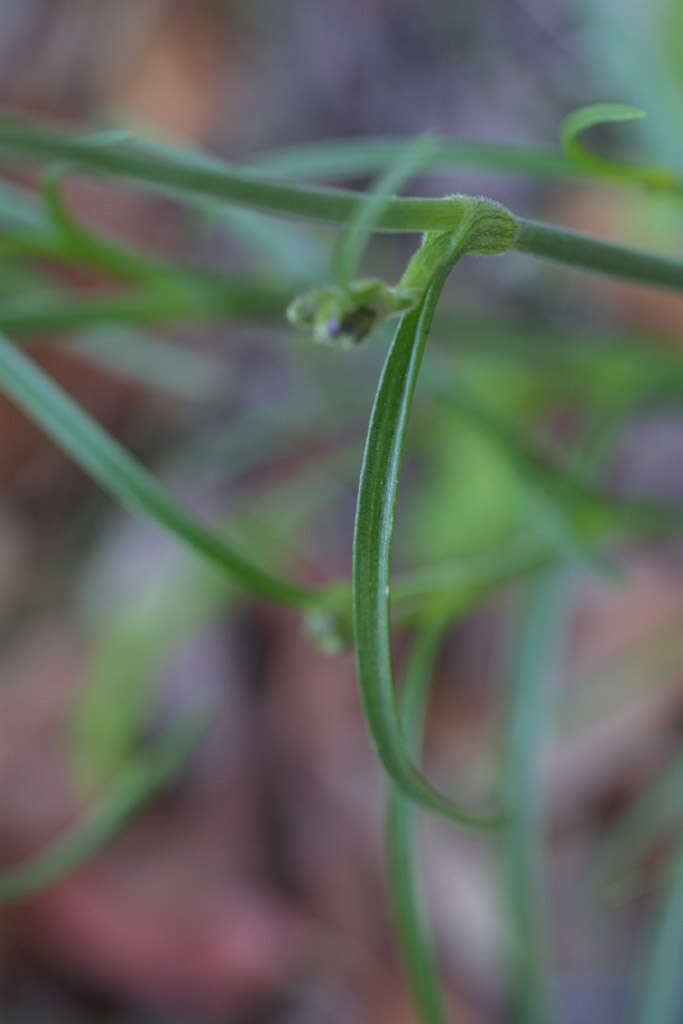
(345, 316)
(579, 121)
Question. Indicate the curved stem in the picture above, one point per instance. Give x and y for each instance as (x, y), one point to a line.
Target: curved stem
(375, 514)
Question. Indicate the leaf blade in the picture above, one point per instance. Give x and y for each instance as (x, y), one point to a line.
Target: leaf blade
(118, 473)
(401, 853)
(375, 514)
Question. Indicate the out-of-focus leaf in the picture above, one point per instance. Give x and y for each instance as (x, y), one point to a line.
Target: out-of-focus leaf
(119, 474)
(660, 178)
(140, 779)
(157, 364)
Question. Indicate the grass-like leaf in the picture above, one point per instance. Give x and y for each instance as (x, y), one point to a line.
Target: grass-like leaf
(349, 249)
(403, 862)
(581, 120)
(375, 513)
(350, 158)
(117, 472)
(135, 785)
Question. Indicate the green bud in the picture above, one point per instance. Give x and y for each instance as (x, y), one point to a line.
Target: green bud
(345, 316)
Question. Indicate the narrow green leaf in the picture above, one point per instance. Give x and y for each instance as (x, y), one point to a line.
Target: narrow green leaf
(349, 249)
(582, 120)
(132, 643)
(136, 784)
(117, 472)
(403, 862)
(375, 514)
(353, 157)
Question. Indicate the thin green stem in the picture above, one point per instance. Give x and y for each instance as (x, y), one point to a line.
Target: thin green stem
(115, 470)
(237, 186)
(334, 205)
(587, 253)
(349, 249)
(375, 514)
(403, 861)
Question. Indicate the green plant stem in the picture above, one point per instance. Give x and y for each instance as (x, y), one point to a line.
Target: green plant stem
(115, 470)
(349, 249)
(587, 253)
(403, 862)
(138, 781)
(375, 514)
(228, 183)
(334, 205)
